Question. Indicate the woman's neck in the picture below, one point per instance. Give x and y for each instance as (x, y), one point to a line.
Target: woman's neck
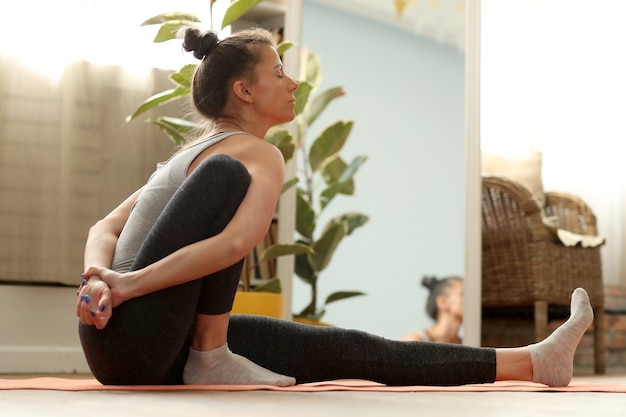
(228, 125)
(445, 330)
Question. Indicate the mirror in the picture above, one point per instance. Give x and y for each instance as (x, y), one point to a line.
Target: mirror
(406, 94)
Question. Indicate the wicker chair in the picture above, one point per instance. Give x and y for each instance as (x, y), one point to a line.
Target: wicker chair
(523, 262)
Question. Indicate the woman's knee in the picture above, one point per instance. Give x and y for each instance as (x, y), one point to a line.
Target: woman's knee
(224, 167)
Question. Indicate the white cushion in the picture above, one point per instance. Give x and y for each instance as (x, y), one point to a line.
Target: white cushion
(524, 169)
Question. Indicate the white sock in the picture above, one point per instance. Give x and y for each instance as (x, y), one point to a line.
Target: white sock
(220, 366)
(553, 358)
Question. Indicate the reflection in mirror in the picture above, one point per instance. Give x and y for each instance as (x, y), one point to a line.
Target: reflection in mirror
(405, 92)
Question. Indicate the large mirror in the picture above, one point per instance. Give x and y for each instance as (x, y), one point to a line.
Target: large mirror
(404, 77)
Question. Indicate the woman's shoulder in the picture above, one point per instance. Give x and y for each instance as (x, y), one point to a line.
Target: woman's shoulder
(255, 149)
(419, 336)
(255, 153)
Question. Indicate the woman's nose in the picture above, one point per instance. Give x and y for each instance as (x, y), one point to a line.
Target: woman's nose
(295, 84)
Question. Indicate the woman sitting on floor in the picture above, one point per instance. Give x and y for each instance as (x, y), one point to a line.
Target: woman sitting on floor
(162, 269)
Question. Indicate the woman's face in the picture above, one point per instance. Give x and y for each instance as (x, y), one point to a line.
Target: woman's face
(452, 300)
(273, 90)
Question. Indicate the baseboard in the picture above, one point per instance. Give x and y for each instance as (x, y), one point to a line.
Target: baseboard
(38, 330)
(42, 360)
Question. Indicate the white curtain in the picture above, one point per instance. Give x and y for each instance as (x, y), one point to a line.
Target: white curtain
(70, 72)
(552, 79)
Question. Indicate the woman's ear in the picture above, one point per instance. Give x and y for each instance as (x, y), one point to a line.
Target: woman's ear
(240, 89)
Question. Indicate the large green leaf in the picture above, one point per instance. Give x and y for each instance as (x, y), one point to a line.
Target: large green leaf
(342, 295)
(302, 96)
(236, 10)
(289, 183)
(283, 140)
(311, 68)
(302, 268)
(329, 143)
(170, 16)
(174, 135)
(343, 184)
(325, 247)
(305, 217)
(352, 219)
(184, 76)
(354, 166)
(333, 169)
(331, 192)
(284, 46)
(169, 30)
(176, 128)
(159, 99)
(182, 125)
(282, 249)
(320, 101)
(313, 316)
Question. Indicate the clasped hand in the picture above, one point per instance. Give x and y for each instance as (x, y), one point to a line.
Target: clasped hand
(97, 296)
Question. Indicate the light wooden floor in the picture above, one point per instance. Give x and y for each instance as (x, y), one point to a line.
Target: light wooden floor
(27, 403)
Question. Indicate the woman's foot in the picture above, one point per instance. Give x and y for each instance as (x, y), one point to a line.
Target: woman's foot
(220, 366)
(552, 359)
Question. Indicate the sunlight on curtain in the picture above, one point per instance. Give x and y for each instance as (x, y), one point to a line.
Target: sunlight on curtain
(552, 79)
(69, 75)
(99, 31)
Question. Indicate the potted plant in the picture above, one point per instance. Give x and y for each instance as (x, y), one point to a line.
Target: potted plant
(323, 176)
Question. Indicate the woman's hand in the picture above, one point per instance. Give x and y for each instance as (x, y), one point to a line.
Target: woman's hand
(93, 306)
(102, 290)
(118, 283)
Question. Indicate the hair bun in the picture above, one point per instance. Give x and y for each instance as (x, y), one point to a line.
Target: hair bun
(202, 44)
(429, 281)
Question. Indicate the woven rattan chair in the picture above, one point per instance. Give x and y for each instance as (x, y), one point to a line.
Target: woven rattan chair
(523, 262)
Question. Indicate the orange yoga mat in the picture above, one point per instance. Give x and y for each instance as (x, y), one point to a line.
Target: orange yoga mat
(69, 384)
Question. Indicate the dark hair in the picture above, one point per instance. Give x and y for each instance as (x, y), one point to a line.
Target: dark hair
(436, 287)
(222, 62)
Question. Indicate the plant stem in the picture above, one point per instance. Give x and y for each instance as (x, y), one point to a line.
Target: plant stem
(308, 174)
(311, 309)
(313, 305)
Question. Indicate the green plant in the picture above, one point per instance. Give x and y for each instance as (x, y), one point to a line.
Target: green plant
(323, 176)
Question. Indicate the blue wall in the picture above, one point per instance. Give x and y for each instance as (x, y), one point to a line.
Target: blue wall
(406, 96)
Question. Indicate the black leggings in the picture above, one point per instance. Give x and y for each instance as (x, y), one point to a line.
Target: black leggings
(147, 339)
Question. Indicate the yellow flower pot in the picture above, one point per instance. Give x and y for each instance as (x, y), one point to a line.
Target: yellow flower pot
(259, 303)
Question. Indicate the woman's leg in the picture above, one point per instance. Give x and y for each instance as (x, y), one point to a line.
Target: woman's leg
(318, 353)
(147, 339)
(313, 353)
(549, 362)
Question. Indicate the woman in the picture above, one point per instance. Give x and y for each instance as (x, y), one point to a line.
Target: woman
(445, 306)
(162, 268)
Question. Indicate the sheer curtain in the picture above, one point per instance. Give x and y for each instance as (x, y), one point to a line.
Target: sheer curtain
(70, 72)
(553, 80)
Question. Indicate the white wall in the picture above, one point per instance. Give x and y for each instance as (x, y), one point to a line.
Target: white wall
(39, 330)
(406, 95)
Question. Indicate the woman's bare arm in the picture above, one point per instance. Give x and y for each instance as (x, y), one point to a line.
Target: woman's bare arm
(94, 301)
(103, 235)
(245, 230)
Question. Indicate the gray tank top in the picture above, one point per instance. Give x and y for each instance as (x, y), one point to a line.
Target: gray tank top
(160, 187)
